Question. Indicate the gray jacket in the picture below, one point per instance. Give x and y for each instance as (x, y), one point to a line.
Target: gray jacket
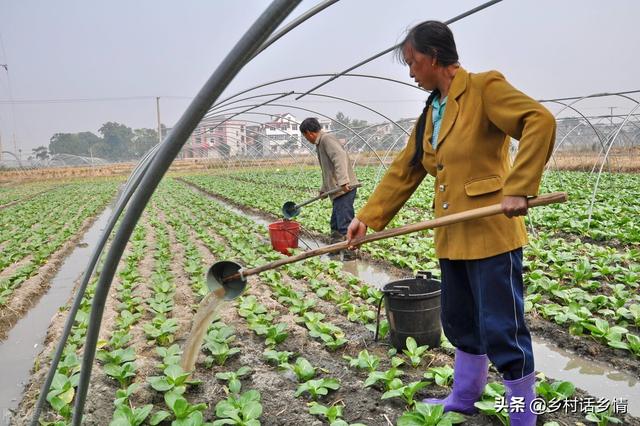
(335, 164)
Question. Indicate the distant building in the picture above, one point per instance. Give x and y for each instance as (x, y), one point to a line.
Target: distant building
(282, 133)
(217, 138)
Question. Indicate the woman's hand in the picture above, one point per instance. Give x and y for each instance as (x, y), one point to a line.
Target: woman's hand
(514, 206)
(355, 230)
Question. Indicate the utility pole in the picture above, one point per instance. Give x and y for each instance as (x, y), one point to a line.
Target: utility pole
(6, 68)
(611, 116)
(159, 125)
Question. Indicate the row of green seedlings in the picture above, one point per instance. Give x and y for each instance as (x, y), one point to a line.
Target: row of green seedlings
(560, 217)
(394, 388)
(117, 354)
(400, 251)
(262, 324)
(577, 305)
(117, 358)
(40, 241)
(393, 384)
(238, 408)
(161, 330)
(26, 191)
(580, 304)
(275, 333)
(244, 243)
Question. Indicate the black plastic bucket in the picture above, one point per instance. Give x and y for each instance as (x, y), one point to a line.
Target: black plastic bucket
(413, 310)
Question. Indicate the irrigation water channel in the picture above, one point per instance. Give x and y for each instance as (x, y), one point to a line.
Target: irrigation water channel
(26, 338)
(595, 378)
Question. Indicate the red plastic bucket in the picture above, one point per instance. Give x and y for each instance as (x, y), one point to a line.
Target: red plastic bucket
(284, 235)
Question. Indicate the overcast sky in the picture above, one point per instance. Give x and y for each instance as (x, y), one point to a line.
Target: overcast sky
(79, 49)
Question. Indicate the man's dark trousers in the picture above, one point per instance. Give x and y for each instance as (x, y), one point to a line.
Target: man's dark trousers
(343, 212)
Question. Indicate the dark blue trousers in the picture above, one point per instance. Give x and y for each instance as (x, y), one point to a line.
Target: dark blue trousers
(483, 311)
(342, 213)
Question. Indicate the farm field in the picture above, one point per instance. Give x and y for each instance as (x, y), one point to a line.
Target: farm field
(297, 348)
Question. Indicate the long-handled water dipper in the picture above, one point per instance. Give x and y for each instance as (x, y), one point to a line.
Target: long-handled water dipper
(231, 276)
(290, 209)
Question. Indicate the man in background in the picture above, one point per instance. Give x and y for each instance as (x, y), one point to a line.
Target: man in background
(336, 172)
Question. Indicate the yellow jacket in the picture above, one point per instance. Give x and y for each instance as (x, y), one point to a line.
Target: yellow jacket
(471, 165)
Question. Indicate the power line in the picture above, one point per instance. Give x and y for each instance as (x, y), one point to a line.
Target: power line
(80, 100)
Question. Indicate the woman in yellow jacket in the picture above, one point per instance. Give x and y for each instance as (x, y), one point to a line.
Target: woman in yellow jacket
(463, 138)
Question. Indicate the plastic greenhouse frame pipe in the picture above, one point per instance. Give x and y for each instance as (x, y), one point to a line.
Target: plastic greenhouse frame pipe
(390, 49)
(277, 11)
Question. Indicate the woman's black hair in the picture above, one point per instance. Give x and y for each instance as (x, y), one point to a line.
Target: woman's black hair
(433, 38)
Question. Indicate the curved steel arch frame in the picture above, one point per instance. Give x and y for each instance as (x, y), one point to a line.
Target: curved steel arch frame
(276, 12)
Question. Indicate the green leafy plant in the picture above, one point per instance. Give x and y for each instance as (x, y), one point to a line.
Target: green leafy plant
(429, 415)
(406, 392)
(184, 414)
(61, 393)
(220, 352)
(443, 376)
(117, 356)
(487, 404)
(174, 378)
(275, 357)
(333, 342)
(363, 361)
(124, 415)
(317, 388)
(388, 378)
(161, 329)
(276, 334)
(233, 377)
(559, 390)
(634, 343)
(244, 410)
(332, 414)
(121, 372)
(603, 418)
(302, 369)
(170, 355)
(414, 352)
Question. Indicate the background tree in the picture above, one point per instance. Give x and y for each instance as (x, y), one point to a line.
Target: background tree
(143, 140)
(73, 143)
(342, 132)
(41, 153)
(116, 139)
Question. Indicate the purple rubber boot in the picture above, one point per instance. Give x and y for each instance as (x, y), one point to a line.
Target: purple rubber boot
(469, 379)
(520, 393)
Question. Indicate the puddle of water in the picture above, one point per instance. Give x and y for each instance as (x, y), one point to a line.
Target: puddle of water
(25, 340)
(369, 273)
(597, 379)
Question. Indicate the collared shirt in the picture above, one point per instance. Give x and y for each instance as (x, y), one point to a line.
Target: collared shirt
(436, 116)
